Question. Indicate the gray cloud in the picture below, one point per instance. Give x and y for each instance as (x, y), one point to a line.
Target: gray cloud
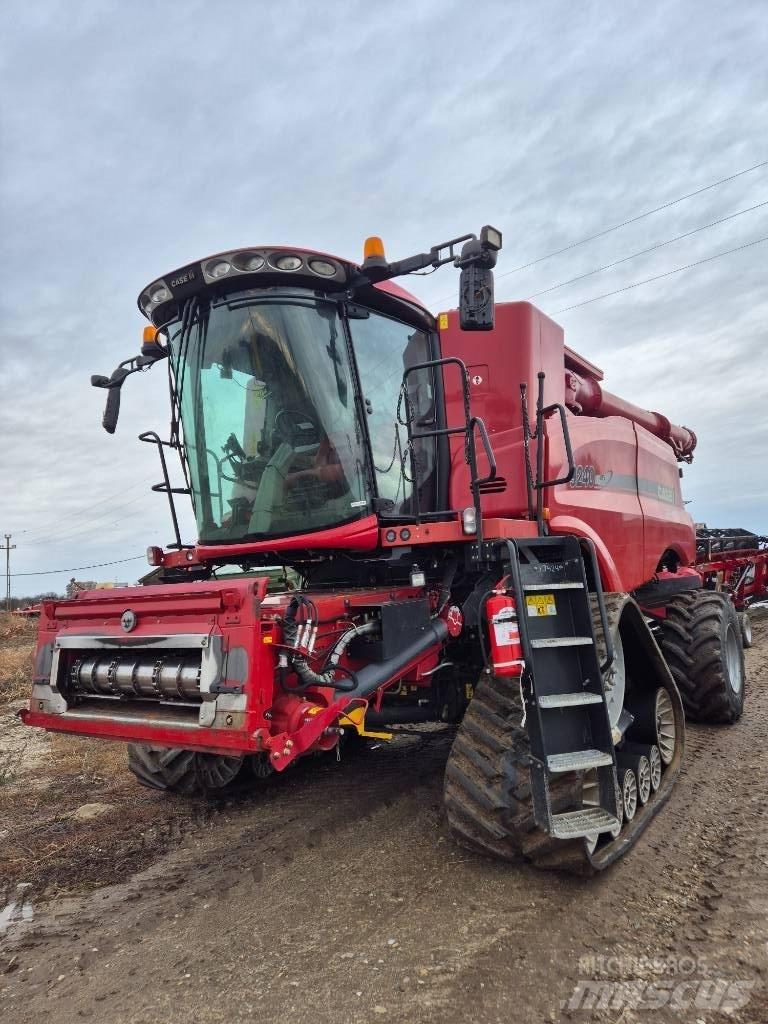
(138, 137)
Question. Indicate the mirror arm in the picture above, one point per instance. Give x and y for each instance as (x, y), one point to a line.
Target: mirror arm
(114, 383)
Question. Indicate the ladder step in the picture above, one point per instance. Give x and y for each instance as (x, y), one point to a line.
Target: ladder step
(569, 700)
(585, 822)
(578, 760)
(553, 586)
(562, 641)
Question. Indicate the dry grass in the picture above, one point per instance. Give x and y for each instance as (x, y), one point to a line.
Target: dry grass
(18, 638)
(88, 760)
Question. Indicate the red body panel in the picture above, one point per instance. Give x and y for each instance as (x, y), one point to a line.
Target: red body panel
(625, 494)
(360, 535)
(263, 709)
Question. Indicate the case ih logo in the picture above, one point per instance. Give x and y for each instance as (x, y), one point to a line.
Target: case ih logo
(188, 275)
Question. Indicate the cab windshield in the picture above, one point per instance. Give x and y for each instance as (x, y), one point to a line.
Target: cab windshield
(268, 411)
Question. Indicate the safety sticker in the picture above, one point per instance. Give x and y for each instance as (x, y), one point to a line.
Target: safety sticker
(540, 604)
(443, 321)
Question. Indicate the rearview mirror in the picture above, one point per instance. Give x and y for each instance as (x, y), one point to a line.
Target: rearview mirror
(476, 305)
(476, 300)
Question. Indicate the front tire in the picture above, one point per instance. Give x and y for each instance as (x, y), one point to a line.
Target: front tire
(174, 770)
(702, 642)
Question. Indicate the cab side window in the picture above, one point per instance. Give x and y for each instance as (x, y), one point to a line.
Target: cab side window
(384, 348)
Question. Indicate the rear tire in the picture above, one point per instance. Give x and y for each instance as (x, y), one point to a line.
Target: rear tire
(701, 640)
(182, 771)
(746, 629)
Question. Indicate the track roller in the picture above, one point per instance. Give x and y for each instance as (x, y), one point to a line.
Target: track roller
(628, 786)
(641, 766)
(651, 754)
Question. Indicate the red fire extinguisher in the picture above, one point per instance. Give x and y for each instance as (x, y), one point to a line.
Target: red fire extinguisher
(506, 650)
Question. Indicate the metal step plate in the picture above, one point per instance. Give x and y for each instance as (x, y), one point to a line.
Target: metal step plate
(553, 586)
(588, 821)
(578, 760)
(569, 700)
(562, 641)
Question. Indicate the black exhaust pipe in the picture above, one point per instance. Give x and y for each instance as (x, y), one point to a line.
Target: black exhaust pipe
(374, 675)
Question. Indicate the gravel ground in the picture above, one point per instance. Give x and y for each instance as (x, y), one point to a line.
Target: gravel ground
(336, 895)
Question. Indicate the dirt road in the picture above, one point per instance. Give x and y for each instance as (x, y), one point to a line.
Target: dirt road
(337, 896)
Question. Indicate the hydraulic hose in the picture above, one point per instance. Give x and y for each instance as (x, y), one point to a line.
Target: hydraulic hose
(308, 630)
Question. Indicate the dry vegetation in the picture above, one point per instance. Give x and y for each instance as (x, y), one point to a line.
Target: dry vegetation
(17, 645)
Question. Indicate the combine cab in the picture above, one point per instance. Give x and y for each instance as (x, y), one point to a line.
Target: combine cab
(479, 534)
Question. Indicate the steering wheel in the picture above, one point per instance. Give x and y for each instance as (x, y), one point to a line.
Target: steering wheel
(295, 427)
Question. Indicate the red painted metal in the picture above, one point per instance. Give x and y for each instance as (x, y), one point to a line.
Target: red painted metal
(584, 396)
(625, 493)
(246, 621)
(360, 535)
(452, 532)
(744, 574)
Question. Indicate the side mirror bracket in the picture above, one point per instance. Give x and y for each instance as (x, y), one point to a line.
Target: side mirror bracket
(114, 383)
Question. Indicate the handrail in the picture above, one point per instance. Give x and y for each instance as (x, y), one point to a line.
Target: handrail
(151, 437)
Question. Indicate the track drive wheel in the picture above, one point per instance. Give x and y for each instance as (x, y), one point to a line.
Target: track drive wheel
(182, 771)
(701, 639)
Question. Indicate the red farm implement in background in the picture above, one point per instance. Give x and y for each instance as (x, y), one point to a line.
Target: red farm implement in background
(735, 562)
(32, 611)
(478, 532)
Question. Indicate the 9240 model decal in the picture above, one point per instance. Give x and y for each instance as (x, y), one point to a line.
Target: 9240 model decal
(586, 478)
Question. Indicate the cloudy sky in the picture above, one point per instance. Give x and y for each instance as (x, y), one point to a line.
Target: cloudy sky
(136, 137)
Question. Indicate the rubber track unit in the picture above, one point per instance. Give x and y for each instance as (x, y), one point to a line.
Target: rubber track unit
(178, 771)
(487, 791)
(693, 643)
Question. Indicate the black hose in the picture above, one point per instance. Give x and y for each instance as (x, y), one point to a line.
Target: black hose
(299, 663)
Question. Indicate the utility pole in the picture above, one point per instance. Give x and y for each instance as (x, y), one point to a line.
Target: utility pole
(8, 548)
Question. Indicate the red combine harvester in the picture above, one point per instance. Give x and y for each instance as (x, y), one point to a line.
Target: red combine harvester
(482, 534)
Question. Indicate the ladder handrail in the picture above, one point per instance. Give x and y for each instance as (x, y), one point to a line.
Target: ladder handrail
(471, 424)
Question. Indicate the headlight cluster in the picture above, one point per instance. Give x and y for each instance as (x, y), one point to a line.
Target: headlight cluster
(229, 265)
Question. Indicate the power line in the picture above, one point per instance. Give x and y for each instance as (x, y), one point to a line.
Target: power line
(623, 223)
(633, 220)
(658, 277)
(78, 568)
(643, 252)
(95, 525)
(95, 504)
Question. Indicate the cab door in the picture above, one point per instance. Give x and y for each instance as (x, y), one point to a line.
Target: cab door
(384, 349)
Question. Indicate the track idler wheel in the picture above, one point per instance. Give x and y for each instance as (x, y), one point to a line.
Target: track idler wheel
(655, 722)
(182, 771)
